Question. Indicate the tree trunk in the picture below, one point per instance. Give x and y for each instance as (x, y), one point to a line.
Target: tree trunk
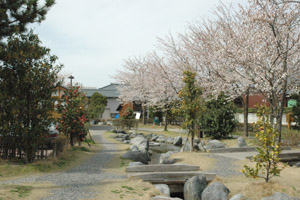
(71, 139)
(246, 109)
(144, 112)
(193, 135)
(166, 121)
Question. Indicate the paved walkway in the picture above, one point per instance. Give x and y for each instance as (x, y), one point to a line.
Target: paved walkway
(74, 184)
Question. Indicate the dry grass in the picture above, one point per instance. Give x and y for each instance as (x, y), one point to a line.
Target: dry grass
(198, 159)
(127, 189)
(288, 182)
(165, 133)
(152, 126)
(233, 142)
(66, 160)
(25, 191)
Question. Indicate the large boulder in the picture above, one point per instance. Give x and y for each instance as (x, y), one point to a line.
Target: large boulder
(214, 144)
(170, 140)
(196, 147)
(241, 142)
(154, 138)
(186, 146)
(298, 164)
(215, 191)
(177, 141)
(139, 156)
(280, 196)
(141, 142)
(133, 164)
(154, 144)
(201, 147)
(164, 189)
(133, 148)
(165, 158)
(194, 187)
(238, 197)
(161, 139)
(196, 140)
(149, 136)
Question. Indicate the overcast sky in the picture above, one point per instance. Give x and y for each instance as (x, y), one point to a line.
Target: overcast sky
(93, 37)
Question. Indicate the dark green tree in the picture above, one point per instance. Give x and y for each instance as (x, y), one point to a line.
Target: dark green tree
(191, 103)
(28, 76)
(296, 110)
(218, 119)
(16, 14)
(96, 105)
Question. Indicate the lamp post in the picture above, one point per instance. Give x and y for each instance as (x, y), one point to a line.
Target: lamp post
(71, 78)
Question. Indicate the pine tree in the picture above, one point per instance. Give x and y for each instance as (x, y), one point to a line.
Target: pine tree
(16, 14)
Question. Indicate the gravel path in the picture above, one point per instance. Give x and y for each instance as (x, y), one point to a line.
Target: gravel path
(224, 166)
(74, 183)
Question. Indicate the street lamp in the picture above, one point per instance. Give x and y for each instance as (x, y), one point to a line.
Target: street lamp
(71, 78)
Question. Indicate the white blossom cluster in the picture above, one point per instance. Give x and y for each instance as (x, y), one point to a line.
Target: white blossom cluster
(255, 46)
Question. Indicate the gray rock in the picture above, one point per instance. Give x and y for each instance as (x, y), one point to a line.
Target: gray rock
(298, 164)
(154, 138)
(161, 139)
(149, 136)
(214, 144)
(134, 148)
(196, 140)
(119, 139)
(164, 198)
(177, 141)
(241, 142)
(141, 142)
(238, 197)
(186, 147)
(154, 144)
(280, 196)
(140, 156)
(215, 191)
(196, 147)
(194, 187)
(165, 158)
(201, 147)
(133, 164)
(170, 140)
(126, 141)
(163, 188)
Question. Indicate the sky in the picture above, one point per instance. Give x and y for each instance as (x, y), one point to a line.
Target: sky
(92, 38)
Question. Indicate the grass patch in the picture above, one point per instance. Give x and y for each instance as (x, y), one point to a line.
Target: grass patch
(22, 191)
(127, 189)
(25, 191)
(67, 159)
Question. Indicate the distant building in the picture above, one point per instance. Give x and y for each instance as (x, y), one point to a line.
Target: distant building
(111, 93)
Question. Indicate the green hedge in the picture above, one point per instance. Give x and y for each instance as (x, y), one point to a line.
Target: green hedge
(254, 110)
(125, 124)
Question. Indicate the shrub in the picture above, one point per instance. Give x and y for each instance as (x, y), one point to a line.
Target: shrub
(218, 119)
(291, 138)
(61, 142)
(266, 162)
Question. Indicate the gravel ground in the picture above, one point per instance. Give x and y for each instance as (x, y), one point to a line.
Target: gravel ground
(224, 166)
(74, 183)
